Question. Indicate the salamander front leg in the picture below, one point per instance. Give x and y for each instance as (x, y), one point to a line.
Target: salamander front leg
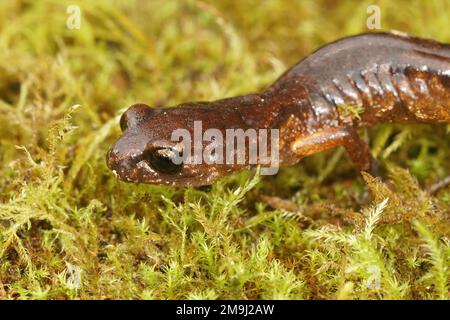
(329, 138)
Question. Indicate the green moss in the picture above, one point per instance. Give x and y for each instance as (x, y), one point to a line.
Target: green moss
(70, 230)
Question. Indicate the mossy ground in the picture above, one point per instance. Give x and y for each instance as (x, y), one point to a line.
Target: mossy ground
(70, 230)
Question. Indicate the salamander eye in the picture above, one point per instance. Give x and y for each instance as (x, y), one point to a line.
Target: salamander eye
(164, 160)
(123, 122)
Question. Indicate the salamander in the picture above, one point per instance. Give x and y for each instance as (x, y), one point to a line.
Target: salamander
(389, 78)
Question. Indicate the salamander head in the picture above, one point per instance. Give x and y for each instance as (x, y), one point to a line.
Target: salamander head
(147, 153)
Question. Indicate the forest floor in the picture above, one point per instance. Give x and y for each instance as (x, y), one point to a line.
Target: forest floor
(70, 230)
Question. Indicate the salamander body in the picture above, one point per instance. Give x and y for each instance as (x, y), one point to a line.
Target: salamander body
(384, 77)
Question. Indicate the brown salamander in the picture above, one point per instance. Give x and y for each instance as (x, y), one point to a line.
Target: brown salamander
(390, 78)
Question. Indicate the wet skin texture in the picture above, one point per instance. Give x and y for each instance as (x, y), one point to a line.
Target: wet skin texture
(392, 78)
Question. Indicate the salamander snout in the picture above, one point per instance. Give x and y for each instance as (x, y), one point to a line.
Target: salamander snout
(122, 167)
